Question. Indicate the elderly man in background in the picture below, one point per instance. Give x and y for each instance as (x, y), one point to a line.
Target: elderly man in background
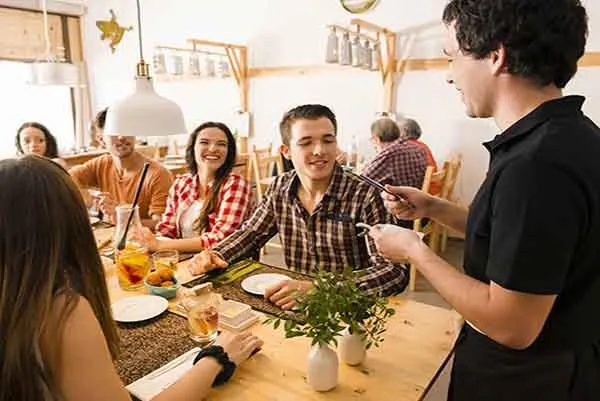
(398, 161)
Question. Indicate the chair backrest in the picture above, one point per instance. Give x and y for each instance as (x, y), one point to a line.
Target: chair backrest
(453, 168)
(431, 177)
(243, 166)
(262, 169)
(149, 151)
(445, 179)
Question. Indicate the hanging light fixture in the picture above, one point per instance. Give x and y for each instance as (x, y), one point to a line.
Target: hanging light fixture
(51, 68)
(331, 56)
(144, 113)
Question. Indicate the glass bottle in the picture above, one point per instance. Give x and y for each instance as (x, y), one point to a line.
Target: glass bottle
(194, 63)
(331, 54)
(158, 61)
(346, 50)
(357, 52)
(132, 262)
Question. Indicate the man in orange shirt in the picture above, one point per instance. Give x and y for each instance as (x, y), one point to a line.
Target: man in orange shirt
(117, 174)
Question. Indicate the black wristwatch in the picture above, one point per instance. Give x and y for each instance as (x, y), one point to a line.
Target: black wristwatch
(217, 352)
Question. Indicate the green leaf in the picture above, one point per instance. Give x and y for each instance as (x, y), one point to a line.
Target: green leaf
(276, 325)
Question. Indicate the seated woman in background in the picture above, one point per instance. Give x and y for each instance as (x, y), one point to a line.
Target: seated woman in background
(97, 130)
(58, 337)
(208, 203)
(34, 138)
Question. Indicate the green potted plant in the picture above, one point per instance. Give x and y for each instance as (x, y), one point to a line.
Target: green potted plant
(334, 302)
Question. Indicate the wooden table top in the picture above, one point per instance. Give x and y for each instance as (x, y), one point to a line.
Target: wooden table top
(418, 342)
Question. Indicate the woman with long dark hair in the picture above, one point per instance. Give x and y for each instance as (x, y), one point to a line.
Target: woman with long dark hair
(208, 203)
(57, 335)
(34, 138)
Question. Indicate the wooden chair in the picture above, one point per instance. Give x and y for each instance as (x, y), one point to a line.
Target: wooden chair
(243, 166)
(431, 230)
(261, 168)
(149, 151)
(453, 168)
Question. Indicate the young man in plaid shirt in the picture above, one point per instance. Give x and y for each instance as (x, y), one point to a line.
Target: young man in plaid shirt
(314, 208)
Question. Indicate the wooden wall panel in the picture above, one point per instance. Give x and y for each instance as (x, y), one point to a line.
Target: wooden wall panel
(22, 34)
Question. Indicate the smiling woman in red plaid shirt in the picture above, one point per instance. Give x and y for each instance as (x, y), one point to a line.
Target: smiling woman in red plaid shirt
(210, 202)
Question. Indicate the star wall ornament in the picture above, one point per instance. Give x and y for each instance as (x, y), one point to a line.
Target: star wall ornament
(112, 31)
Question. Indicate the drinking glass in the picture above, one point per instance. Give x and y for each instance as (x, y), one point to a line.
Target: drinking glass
(166, 258)
(203, 317)
(132, 262)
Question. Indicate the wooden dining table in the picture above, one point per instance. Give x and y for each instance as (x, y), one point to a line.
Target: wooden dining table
(418, 342)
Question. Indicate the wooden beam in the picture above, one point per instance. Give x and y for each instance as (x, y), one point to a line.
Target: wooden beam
(390, 77)
(369, 25)
(202, 42)
(590, 59)
(299, 70)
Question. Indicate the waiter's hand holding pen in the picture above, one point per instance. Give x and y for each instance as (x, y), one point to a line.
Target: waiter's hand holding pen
(413, 203)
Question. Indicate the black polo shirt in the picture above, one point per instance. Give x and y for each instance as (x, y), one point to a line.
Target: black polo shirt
(534, 225)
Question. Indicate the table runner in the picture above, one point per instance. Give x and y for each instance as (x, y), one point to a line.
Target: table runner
(146, 346)
(235, 292)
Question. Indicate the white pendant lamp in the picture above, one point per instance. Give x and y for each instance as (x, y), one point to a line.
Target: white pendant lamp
(144, 113)
(51, 68)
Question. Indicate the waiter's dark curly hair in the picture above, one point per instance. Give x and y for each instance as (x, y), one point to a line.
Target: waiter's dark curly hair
(543, 39)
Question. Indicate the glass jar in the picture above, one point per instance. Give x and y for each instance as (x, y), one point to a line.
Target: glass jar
(132, 262)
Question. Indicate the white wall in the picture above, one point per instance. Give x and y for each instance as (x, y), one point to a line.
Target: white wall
(289, 32)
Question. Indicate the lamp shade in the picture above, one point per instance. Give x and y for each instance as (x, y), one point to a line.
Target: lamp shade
(144, 113)
(53, 73)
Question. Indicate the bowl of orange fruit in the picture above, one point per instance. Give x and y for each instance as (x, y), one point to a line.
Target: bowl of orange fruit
(162, 282)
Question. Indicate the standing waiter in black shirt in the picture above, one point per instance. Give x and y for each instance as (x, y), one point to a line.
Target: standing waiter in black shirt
(531, 292)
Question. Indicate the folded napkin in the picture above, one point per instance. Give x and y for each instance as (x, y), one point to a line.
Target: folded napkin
(153, 383)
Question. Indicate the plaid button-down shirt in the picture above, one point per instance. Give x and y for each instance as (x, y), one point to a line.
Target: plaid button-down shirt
(401, 163)
(233, 206)
(327, 238)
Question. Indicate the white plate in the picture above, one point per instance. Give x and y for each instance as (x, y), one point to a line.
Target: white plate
(94, 220)
(136, 309)
(258, 283)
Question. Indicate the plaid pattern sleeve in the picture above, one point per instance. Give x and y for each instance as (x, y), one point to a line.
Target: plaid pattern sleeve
(325, 238)
(381, 276)
(234, 206)
(254, 233)
(402, 163)
(178, 193)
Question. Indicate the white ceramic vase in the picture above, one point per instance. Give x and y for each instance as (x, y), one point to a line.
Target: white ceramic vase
(351, 348)
(322, 372)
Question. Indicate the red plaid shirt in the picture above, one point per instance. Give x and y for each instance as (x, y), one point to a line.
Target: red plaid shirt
(401, 163)
(234, 205)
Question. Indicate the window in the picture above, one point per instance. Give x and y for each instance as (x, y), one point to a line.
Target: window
(51, 106)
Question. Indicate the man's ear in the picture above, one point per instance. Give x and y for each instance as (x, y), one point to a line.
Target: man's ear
(498, 60)
(285, 151)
